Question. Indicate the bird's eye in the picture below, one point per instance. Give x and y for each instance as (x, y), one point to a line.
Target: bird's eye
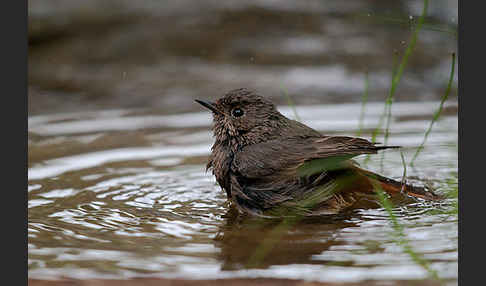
(237, 112)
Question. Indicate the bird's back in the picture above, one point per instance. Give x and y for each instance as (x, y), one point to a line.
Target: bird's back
(305, 175)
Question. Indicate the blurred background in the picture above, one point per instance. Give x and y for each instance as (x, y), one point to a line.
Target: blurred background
(86, 55)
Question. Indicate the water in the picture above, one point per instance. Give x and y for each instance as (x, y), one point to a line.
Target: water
(117, 146)
(124, 193)
(87, 55)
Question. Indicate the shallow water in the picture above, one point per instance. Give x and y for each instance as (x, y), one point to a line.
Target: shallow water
(124, 193)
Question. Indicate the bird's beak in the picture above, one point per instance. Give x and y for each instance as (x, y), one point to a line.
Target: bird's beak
(209, 105)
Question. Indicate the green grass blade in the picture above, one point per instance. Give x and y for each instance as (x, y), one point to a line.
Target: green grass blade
(396, 78)
(438, 112)
(363, 105)
(399, 235)
(290, 102)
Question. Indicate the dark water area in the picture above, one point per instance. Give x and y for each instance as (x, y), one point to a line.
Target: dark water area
(117, 186)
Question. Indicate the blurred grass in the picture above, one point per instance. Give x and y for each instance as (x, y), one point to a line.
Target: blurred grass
(450, 190)
(398, 229)
(438, 112)
(363, 105)
(398, 75)
(406, 21)
(290, 102)
(398, 234)
(388, 106)
(404, 176)
(386, 112)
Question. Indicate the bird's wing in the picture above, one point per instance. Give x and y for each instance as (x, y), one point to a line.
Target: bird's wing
(262, 159)
(343, 145)
(309, 176)
(302, 156)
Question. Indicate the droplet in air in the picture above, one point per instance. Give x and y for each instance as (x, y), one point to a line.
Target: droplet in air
(410, 17)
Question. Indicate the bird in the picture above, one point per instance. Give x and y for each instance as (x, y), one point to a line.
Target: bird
(273, 166)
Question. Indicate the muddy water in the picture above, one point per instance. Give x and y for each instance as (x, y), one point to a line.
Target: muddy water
(124, 193)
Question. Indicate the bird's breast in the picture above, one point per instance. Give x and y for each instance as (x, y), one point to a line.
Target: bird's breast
(221, 158)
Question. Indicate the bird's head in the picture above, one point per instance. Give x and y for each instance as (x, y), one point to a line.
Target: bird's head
(244, 116)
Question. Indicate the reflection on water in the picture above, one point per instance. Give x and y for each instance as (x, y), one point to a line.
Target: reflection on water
(124, 193)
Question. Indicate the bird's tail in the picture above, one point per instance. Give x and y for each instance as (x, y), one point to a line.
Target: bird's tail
(393, 187)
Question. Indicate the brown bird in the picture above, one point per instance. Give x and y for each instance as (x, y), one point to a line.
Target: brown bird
(270, 165)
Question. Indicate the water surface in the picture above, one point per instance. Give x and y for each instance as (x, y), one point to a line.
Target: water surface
(124, 193)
